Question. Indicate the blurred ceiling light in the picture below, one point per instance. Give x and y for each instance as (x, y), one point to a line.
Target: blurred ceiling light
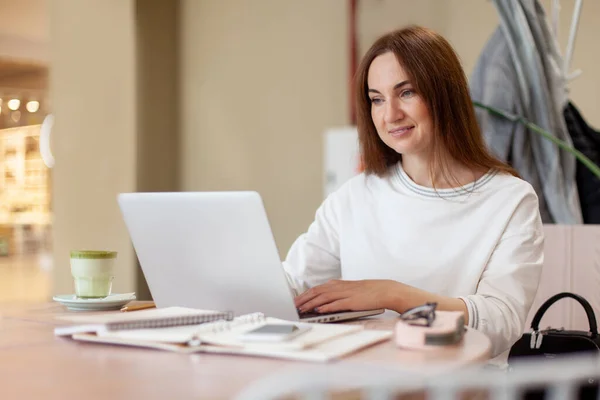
(14, 104)
(32, 106)
(0, 109)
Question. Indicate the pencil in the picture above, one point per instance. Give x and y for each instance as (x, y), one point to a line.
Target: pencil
(138, 307)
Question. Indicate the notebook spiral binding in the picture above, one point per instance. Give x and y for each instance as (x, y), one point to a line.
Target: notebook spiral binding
(171, 321)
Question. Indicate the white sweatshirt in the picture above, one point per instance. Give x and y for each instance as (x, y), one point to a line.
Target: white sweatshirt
(482, 243)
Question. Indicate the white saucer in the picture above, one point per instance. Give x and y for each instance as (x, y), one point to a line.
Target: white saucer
(112, 302)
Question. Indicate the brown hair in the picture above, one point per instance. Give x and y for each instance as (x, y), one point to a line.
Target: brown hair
(435, 72)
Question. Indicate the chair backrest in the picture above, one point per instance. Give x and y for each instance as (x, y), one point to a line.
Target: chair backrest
(560, 378)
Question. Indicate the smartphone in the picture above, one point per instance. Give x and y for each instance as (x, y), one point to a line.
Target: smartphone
(274, 333)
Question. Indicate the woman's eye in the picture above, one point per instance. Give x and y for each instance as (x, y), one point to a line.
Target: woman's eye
(407, 93)
(376, 101)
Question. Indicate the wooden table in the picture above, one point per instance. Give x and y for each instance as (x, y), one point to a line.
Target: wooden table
(36, 365)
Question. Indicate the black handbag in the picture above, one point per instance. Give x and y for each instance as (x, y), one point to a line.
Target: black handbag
(552, 342)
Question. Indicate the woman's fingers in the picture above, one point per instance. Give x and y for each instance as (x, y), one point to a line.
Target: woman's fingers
(308, 300)
(310, 294)
(325, 298)
(344, 304)
(314, 292)
(319, 300)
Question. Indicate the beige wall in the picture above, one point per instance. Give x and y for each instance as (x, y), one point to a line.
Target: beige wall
(92, 81)
(115, 100)
(157, 90)
(261, 81)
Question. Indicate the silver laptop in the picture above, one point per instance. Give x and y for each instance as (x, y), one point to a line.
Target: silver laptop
(213, 250)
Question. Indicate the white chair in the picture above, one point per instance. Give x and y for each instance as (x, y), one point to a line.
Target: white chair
(561, 378)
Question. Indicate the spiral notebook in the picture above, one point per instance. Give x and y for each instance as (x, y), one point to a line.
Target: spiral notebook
(322, 342)
(227, 333)
(146, 319)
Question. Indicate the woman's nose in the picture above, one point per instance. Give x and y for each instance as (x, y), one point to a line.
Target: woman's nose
(393, 112)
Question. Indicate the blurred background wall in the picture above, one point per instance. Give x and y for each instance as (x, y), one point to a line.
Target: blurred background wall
(218, 95)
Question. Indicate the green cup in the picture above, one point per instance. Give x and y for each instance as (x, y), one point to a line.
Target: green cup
(93, 272)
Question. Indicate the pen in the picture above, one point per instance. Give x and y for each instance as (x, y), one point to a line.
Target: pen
(138, 307)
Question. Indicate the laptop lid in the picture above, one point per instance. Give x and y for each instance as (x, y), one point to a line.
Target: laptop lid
(209, 250)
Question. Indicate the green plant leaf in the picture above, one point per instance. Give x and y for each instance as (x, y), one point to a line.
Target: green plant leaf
(530, 125)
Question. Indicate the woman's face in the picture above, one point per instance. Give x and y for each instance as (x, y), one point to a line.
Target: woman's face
(399, 113)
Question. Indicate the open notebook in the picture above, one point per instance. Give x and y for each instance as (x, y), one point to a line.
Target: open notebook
(322, 342)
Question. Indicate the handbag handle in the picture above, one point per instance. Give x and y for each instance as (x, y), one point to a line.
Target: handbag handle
(535, 323)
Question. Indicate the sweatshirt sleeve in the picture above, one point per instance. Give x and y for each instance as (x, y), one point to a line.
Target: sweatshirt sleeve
(314, 257)
(510, 280)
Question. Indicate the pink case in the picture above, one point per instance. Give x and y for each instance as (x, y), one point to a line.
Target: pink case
(446, 330)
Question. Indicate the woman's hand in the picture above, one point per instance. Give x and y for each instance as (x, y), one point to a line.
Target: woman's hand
(338, 295)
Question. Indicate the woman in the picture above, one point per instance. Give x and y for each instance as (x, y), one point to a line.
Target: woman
(434, 217)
